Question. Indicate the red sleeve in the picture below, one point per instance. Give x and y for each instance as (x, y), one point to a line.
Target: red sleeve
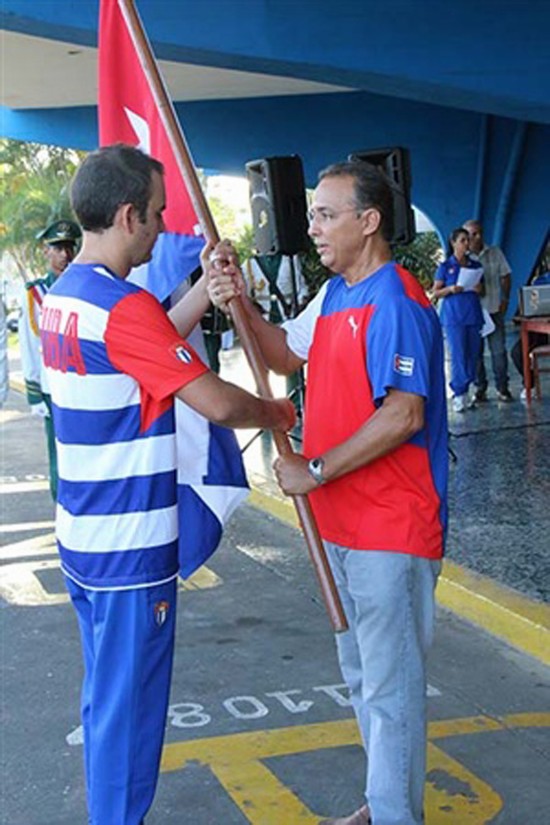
(142, 342)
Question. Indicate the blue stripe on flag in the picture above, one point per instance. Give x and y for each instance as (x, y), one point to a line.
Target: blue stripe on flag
(200, 530)
(174, 259)
(225, 464)
(205, 500)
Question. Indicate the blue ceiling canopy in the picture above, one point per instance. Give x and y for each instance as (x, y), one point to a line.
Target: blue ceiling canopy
(466, 87)
(478, 55)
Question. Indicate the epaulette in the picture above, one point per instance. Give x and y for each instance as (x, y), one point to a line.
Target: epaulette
(36, 290)
(43, 281)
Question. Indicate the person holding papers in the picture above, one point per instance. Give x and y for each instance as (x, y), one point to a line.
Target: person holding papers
(459, 281)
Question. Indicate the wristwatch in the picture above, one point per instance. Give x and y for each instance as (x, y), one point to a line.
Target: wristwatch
(315, 469)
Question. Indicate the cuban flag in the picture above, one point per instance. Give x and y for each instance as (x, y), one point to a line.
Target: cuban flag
(211, 476)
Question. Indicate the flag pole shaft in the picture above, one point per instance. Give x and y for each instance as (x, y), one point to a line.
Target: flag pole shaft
(247, 337)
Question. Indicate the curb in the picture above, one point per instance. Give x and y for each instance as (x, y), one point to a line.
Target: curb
(17, 384)
(495, 608)
(515, 619)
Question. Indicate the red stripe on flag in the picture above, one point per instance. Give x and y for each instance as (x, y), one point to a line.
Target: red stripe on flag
(128, 113)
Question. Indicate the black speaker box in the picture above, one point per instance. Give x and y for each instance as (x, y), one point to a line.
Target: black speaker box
(395, 163)
(278, 204)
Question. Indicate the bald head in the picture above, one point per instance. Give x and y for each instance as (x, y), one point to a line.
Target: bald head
(475, 232)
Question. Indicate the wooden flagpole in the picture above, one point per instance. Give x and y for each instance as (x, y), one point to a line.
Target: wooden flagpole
(248, 339)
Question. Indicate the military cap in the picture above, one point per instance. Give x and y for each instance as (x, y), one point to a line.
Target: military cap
(62, 231)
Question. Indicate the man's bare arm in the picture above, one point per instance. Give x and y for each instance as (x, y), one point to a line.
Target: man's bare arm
(226, 404)
(225, 282)
(272, 340)
(186, 314)
(399, 417)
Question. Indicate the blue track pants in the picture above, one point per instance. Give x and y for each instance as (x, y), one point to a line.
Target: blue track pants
(465, 345)
(128, 643)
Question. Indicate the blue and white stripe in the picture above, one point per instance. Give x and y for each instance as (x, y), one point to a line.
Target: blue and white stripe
(116, 520)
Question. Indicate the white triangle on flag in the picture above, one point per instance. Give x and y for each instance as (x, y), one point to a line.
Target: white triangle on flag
(142, 130)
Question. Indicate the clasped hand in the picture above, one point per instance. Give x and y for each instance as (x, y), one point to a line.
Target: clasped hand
(293, 475)
(220, 263)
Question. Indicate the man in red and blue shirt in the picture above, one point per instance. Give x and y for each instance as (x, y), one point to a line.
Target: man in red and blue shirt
(374, 467)
(115, 361)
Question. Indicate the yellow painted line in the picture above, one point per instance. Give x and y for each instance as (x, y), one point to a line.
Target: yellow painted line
(202, 579)
(260, 795)
(238, 761)
(20, 580)
(26, 527)
(248, 747)
(20, 585)
(16, 487)
(17, 384)
(442, 728)
(278, 507)
(469, 725)
(517, 620)
(479, 804)
(7, 416)
(37, 546)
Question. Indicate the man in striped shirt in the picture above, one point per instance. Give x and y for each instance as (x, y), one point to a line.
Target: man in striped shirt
(115, 362)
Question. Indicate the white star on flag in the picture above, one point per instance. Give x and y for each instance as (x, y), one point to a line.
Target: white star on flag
(142, 130)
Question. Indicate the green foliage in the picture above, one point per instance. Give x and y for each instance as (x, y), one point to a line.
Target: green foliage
(34, 191)
(315, 274)
(224, 217)
(244, 243)
(421, 257)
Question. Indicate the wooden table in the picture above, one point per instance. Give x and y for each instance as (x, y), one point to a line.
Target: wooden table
(536, 323)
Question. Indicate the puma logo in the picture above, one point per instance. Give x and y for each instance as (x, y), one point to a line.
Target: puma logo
(353, 324)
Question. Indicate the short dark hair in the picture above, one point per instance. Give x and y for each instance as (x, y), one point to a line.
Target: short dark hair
(108, 178)
(372, 189)
(456, 233)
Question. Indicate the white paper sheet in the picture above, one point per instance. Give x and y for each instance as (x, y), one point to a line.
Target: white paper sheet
(469, 278)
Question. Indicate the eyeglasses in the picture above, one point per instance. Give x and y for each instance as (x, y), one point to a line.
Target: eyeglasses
(324, 215)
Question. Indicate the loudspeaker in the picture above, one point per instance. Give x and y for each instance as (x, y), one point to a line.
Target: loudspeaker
(278, 204)
(395, 164)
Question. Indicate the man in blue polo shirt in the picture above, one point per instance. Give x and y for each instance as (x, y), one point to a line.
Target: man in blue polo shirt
(374, 467)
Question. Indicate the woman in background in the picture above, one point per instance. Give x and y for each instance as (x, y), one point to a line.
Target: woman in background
(458, 281)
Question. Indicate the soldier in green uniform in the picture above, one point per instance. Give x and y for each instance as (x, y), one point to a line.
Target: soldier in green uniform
(60, 239)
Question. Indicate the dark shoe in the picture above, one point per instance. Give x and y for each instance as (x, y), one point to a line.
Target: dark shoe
(360, 817)
(481, 396)
(504, 395)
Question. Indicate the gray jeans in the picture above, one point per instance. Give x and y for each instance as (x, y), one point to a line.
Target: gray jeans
(388, 599)
(499, 357)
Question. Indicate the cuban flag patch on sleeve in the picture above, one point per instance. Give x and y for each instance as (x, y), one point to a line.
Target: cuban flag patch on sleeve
(183, 354)
(403, 364)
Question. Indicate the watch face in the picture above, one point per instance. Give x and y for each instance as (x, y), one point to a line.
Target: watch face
(315, 468)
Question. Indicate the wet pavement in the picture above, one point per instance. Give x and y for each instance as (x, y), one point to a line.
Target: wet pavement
(499, 482)
(260, 730)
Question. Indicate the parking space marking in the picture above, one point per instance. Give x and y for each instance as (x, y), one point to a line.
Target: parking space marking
(518, 620)
(20, 583)
(453, 793)
(37, 546)
(25, 527)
